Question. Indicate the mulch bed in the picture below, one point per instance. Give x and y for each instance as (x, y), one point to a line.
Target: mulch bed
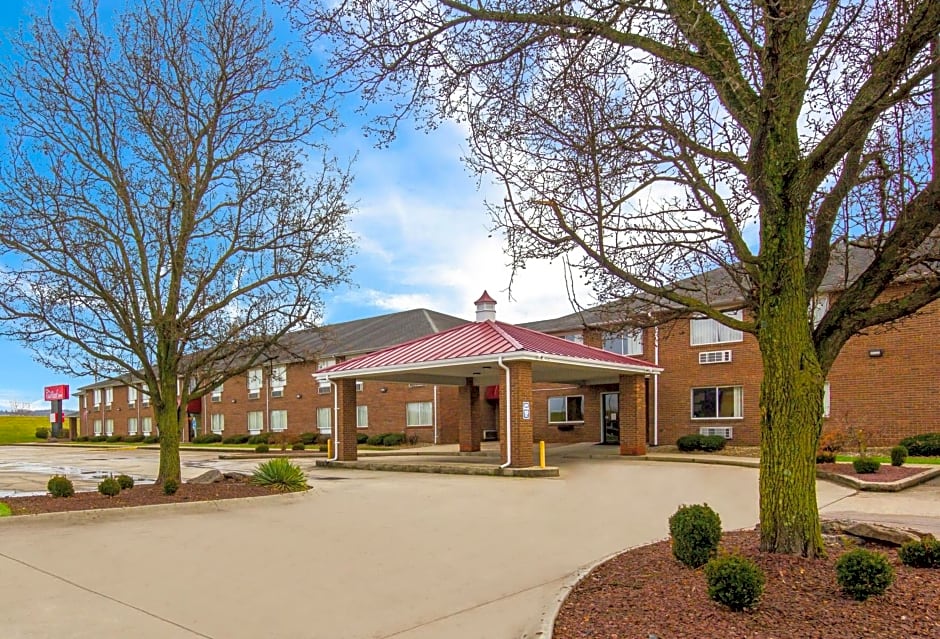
(645, 592)
(885, 473)
(136, 496)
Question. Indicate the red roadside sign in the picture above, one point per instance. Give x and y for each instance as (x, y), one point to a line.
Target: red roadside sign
(53, 393)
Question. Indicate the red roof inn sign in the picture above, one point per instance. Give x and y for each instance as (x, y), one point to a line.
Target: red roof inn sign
(54, 393)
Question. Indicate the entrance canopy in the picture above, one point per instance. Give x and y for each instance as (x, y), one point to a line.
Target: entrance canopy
(474, 351)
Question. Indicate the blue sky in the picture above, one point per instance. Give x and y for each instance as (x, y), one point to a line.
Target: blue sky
(422, 235)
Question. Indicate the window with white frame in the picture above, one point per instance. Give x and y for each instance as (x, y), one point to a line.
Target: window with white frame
(131, 395)
(278, 380)
(255, 380)
(577, 338)
(278, 420)
(144, 398)
(360, 386)
(108, 396)
(146, 426)
(255, 422)
(324, 421)
(324, 387)
(217, 422)
(109, 427)
(216, 395)
(97, 395)
(705, 330)
(131, 425)
(565, 409)
(97, 424)
(362, 416)
(325, 363)
(418, 414)
(718, 402)
(624, 342)
(826, 400)
(818, 307)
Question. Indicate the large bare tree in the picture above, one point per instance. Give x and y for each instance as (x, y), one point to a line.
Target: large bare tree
(745, 149)
(166, 211)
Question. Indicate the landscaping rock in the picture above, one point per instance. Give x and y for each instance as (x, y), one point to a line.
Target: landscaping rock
(233, 474)
(881, 533)
(209, 477)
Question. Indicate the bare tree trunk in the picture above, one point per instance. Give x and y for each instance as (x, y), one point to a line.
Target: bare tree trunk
(168, 420)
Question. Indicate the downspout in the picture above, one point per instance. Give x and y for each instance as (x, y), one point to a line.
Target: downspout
(334, 426)
(656, 387)
(435, 413)
(499, 362)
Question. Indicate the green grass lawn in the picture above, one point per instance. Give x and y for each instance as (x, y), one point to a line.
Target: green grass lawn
(887, 460)
(15, 429)
(5, 510)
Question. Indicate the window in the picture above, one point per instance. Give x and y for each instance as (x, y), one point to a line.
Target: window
(325, 363)
(818, 307)
(216, 395)
(131, 425)
(146, 426)
(826, 400)
(721, 402)
(709, 331)
(217, 422)
(255, 422)
(144, 398)
(360, 386)
(577, 338)
(255, 380)
(278, 420)
(131, 395)
(566, 409)
(109, 427)
(97, 427)
(324, 388)
(362, 416)
(323, 420)
(97, 395)
(624, 342)
(418, 414)
(108, 396)
(278, 380)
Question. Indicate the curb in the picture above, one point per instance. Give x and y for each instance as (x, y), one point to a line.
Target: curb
(879, 487)
(124, 512)
(442, 469)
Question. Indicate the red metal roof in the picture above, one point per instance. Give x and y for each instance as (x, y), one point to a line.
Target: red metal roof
(480, 339)
(485, 298)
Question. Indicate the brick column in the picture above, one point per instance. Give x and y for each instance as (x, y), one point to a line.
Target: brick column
(344, 424)
(469, 428)
(632, 415)
(520, 379)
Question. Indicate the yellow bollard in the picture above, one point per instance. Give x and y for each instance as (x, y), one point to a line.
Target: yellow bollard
(329, 448)
(542, 454)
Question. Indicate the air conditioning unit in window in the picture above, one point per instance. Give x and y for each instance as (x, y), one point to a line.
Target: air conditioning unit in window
(714, 357)
(277, 392)
(324, 390)
(253, 394)
(722, 431)
(490, 435)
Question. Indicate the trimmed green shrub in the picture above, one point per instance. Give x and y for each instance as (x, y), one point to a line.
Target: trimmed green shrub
(170, 486)
(236, 439)
(695, 531)
(688, 443)
(280, 474)
(711, 443)
(60, 486)
(134, 438)
(921, 554)
(898, 455)
(152, 439)
(926, 445)
(825, 457)
(361, 438)
(393, 439)
(113, 439)
(862, 573)
(42, 433)
(262, 448)
(376, 440)
(308, 438)
(736, 582)
(82, 438)
(5, 510)
(125, 481)
(323, 448)
(98, 438)
(109, 487)
(207, 438)
(260, 438)
(865, 465)
(298, 446)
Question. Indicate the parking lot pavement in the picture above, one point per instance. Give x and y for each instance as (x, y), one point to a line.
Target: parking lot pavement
(376, 555)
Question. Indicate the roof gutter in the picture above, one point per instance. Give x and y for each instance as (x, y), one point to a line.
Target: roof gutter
(499, 362)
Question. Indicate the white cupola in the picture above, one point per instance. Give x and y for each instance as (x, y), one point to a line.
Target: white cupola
(486, 308)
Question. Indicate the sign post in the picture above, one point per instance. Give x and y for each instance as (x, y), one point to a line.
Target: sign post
(56, 395)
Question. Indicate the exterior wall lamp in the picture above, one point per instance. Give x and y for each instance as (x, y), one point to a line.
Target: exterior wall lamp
(876, 352)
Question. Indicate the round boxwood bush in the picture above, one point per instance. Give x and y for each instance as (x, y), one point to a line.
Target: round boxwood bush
(125, 481)
(298, 446)
(711, 443)
(695, 531)
(60, 486)
(308, 438)
(688, 443)
(113, 439)
(376, 440)
(862, 573)
(865, 465)
(236, 439)
(98, 438)
(733, 581)
(109, 487)
(921, 554)
(262, 448)
(170, 486)
(152, 439)
(361, 438)
(42, 433)
(207, 438)
(134, 439)
(926, 445)
(898, 455)
(393, 439)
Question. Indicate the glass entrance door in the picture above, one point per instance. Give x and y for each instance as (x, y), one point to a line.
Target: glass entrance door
(610, 411)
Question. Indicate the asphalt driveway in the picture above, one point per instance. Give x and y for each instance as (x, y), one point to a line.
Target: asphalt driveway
(374, 555)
